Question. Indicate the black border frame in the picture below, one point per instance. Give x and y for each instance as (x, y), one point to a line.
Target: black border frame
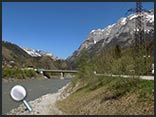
(79, 1)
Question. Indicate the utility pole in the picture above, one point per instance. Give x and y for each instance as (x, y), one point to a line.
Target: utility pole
(139, 30)
(139, 44)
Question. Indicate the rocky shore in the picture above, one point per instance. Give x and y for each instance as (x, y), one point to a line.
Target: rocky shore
(45, 105)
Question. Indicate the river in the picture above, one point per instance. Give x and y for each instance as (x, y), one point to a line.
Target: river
(35, 88)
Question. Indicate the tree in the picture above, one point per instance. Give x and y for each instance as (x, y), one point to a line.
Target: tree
(85, 66)
(117, 51)
(104, 61)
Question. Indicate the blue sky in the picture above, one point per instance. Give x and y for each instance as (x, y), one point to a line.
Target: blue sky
(58, 27)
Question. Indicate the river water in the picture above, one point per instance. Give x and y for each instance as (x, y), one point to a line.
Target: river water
(35, 88)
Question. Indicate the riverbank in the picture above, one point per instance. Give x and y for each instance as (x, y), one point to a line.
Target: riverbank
(45, 105)
(111, 96)
(108, 95)
(35, 88)
(19, 73)
(22, 79)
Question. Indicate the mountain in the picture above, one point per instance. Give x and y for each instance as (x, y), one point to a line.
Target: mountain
(121, 33)
(12, 52)
(38, 53)
(16, 56)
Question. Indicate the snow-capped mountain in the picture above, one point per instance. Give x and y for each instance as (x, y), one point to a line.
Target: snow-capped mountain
(121, 32)
(15, 56)
(38, 53)
(31, 52)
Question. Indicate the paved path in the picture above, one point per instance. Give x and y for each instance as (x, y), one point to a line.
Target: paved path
(35, 88)
(129, 76)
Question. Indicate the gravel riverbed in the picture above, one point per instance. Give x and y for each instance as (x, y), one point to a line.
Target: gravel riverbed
(45, 105)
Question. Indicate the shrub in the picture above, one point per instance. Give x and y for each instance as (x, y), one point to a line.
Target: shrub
(17, 73)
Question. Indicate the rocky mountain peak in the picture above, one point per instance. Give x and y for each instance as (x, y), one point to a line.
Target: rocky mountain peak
(121, 32)
(38, 53)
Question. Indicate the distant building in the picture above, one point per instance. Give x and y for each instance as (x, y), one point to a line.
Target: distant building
(30, 67)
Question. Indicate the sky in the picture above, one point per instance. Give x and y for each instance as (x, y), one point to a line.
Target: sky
(59, 27)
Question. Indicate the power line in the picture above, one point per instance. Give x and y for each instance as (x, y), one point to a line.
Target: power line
(139, 43)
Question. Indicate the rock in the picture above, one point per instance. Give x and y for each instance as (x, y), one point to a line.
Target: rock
(45, 105)
(121, 33)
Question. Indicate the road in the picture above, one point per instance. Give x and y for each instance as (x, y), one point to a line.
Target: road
(128, 76)
(35, 88)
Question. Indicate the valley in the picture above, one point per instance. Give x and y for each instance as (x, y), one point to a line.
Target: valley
(111, 73)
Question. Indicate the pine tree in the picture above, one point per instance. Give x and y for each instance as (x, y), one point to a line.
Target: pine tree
(117, 51)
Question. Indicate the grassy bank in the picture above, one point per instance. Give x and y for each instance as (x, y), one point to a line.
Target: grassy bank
(107, 95)
(18, 73)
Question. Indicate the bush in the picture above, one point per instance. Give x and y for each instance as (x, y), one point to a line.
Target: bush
(17, 73)
(85, 66)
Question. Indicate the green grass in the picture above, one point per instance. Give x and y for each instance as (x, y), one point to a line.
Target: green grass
(111, 95)
(18, 73)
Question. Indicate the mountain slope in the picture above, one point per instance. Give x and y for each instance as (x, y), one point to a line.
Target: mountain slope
(38, 53)
(121, 33)
(15, 56)
(11, 52)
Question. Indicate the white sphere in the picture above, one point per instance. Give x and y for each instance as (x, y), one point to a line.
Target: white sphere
(18, 93)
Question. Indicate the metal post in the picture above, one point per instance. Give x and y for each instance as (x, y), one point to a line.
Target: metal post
(62, 75)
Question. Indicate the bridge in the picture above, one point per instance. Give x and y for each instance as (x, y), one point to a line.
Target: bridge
(62, 72)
